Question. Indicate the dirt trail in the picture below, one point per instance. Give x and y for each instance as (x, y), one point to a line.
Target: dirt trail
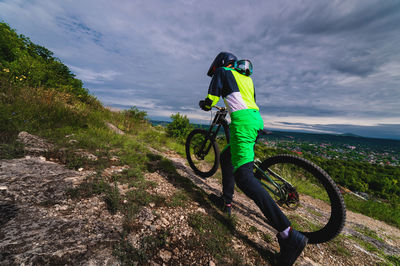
(387, 237)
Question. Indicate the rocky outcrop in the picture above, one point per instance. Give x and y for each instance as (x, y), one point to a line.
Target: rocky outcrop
(34, 144)
(40, 224)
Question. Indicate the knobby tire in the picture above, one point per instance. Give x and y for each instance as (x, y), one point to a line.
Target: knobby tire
(191, 146)
(338, 210)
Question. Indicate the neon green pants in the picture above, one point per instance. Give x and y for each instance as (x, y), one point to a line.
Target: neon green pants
(244, 128)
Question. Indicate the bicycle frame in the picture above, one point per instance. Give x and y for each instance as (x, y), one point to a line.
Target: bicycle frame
(265, 179)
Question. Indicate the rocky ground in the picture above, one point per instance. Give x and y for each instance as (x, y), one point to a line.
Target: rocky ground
(41, 224)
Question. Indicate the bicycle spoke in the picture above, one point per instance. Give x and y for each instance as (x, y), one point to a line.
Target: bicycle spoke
(201, 153)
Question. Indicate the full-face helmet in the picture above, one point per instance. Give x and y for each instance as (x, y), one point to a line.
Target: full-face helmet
(222, 59)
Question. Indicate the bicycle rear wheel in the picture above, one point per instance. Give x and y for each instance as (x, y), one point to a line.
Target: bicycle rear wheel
(202, 153)
(321, 213)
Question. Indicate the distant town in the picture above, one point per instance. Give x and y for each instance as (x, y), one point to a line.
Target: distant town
(339, 151)
(342, 147)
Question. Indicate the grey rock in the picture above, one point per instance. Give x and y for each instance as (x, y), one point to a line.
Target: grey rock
(165, 255)
(34, 144)
(115, 129)
(41, 225)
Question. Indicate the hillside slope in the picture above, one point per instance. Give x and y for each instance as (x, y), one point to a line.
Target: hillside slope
(51, 217)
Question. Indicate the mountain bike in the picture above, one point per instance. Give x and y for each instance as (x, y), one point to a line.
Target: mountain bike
(291, 181)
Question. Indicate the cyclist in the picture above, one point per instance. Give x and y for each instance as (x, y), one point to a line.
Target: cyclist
(231, 80)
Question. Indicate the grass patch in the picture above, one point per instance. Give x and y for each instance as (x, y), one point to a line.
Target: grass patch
(10, 148)
(314, 212)
(89, 188)
(98, 186)
(367, 245)
(267, 238)
(393, 259)
(253, 229)
(337, 246)
(134, 177)
(368, 232)
(178, 199)
(214, 237)
(302, 224)
(113, 199)
(386, 212)
(143, 198)
(74, 160)
(129, 223)
(148, 247)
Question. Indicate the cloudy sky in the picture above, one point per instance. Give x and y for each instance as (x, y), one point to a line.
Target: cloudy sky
(319, 66)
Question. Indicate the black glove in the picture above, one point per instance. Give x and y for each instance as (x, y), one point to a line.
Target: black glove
(203, 106)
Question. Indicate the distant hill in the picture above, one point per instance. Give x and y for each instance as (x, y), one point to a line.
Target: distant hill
(350, 135)
(347, 138)
(350, 139)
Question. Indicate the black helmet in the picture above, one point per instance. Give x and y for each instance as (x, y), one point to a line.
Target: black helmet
(222, 59)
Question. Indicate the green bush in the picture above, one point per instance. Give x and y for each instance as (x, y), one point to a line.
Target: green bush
(136, 114)
(179, 127)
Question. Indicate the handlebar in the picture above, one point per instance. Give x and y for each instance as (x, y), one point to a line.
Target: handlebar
(261, 132)
(219, 108)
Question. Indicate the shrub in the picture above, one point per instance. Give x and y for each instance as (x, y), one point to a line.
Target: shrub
(136, 114)
(179, 127)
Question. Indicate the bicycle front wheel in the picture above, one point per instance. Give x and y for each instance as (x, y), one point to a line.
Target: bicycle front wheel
(202, 153)
(321, 213)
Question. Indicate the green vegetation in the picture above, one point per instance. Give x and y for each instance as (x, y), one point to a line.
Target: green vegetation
(303, 224)
(387, 210)
(23, 62)
(179, 127)
(10, 148)
(178, 199)
(377, 180)
(393, 259)
(267, 238)
(337, 246)
(368, 232)
(214, 236)
(148, 247)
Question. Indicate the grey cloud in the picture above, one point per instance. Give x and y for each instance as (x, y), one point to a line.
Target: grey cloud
(300, 111)
(326, 58)
(360, 67)
(76, 26)
(337, 17)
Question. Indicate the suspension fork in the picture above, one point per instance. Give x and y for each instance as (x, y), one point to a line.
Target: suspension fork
(225, 125)
(204, 149)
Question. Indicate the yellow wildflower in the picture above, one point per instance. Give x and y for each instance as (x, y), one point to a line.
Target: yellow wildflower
(6, 70)
(16, 77)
